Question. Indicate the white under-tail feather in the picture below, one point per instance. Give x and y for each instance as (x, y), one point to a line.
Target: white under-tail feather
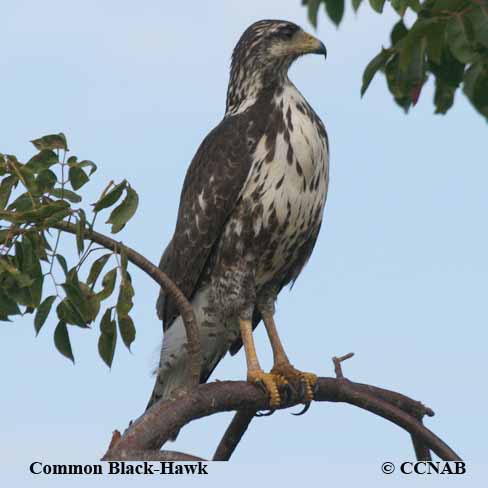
(172, 374)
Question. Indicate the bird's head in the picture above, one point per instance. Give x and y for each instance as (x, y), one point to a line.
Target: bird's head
(265, 52)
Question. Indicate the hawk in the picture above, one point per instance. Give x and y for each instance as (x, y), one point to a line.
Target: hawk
(249, 216)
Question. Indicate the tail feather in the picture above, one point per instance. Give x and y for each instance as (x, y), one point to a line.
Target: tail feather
(172, 374)
(167, 382)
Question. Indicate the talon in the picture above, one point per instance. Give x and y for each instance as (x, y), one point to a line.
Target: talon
(264, 414)
(287, 393)
(271, 382)
(304, 382)
(305, 408)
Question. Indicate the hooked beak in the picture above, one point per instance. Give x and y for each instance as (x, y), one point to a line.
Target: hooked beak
(312, 45)
(321, 50)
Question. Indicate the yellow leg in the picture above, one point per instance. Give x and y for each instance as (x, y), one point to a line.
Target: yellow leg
(282, 365)
(255, 374)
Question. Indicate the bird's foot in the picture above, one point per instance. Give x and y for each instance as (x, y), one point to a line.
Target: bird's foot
(303, 382)
(271, 383)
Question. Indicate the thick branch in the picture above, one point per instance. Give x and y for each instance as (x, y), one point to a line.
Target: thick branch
(184, 307)
(422, 452)
(155, 427)
(144, 438)
(233, 434)
(156, 456)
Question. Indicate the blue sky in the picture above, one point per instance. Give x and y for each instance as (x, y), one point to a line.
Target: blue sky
(398, 275)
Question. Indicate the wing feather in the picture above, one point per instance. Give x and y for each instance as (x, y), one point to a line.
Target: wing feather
(210, 191)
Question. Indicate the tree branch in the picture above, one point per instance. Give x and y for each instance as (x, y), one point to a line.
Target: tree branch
(154, 428)
(233, 434)
(156, 456)
(144, 438)
(184, 306)
(422, 452)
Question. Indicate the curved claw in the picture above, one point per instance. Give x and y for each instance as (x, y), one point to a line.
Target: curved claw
(287, 393)
(264, 414)
(305, 408)
(270, 383)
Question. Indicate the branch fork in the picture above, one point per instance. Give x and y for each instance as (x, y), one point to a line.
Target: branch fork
(144, 438)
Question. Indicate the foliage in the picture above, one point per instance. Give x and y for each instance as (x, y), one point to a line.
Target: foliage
(34, 200)
(448, 40)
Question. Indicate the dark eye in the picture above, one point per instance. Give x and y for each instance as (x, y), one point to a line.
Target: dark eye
(287, 32)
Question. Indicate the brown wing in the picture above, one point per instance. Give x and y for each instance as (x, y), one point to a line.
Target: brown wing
(210, 192)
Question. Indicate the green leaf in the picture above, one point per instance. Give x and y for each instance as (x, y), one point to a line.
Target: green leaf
(96, 269)
(6, 189)
(37, 215)
(52, 141)
(46, 180)
(412, 61)
(62, 263)
(43, 312)
(414, 5)
(68, 313)
(80, 233)
(111, 197)
(7, 305)
(21, 279)
(377, 5)
(36, 291)
(42, 161)
(478, 18)
(57, 217)
(441, 6)
(62, 342)
(313, 10)
(82, 299)
(398, 32)
(108, 338)
(476, 87)
(458, 40)
(124, 212)
(21, 203)
(335, 10)
(127, 330)
(91, 164)
(4, 235)
(41, 245)
(356, 4)
(436, 39)
(43, 212)
(92, 301)
(374, 65)
(450, 70)
(123, 260)
(444, 96)
(80, 242)
(108, 284)
(65, 194)
(77, 177)
(30, 261)
(21, 296)
(124, 301)
(31, 266)
(25, 175)
(399, 6)
(397, 84)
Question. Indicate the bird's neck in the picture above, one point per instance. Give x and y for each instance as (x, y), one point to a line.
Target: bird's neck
(245, 89)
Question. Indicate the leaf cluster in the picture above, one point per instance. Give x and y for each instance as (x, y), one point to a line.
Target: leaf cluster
(448, 40)
(35, 277)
